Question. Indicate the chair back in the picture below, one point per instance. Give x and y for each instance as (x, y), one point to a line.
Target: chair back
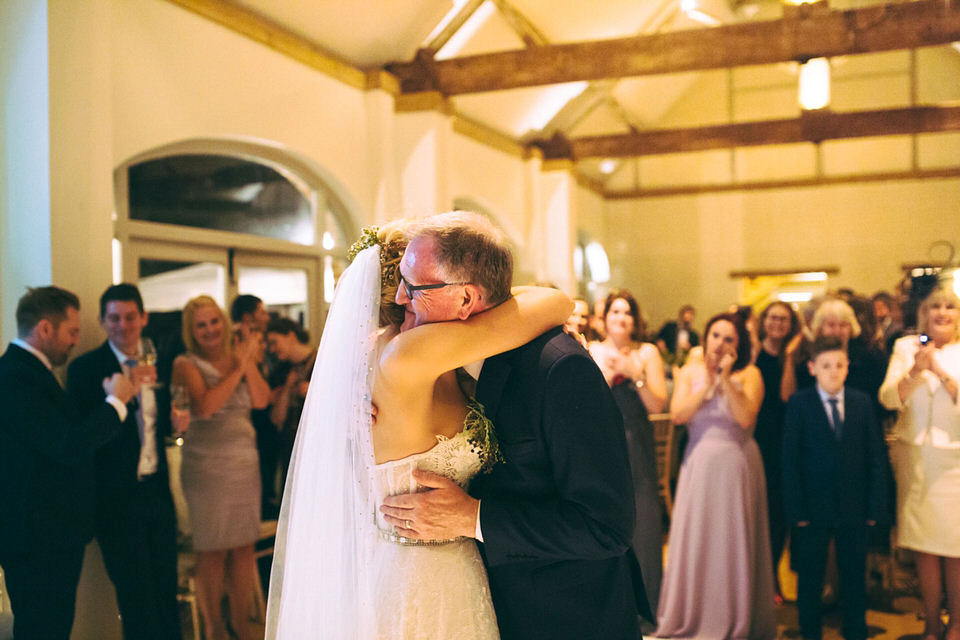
(663, 437)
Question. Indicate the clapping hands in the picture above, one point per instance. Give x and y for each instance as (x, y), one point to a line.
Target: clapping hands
(120, 387)
(247, 349)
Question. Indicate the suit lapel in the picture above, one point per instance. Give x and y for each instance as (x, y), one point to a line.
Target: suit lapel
(34, 367)
(825, 424)
(108, 360)
(493, 378)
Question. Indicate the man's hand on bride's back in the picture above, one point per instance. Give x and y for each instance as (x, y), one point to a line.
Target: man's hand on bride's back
(442, 512)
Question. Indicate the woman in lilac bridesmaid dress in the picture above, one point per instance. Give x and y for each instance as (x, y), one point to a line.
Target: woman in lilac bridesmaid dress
(719, 581)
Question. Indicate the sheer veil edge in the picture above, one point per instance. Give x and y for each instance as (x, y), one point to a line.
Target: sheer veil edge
(321, 585)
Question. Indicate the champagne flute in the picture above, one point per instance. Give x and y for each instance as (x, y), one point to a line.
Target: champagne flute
(148, 357)
(148, 352)
(179, 409)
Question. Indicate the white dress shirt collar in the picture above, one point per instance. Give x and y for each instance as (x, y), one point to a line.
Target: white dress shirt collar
(825, 401)
(121, 356)
(474, 368)
(26, 346)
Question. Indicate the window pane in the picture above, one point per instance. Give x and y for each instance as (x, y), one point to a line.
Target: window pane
(283, 290)
(167, 285)
(220, 192)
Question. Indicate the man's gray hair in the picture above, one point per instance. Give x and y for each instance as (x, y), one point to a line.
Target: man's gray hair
(469, 248)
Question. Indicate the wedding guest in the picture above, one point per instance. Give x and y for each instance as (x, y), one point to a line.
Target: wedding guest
(595, 322)
(834, 481)
(921, 384)
(834, 317)
(578, 320)
(778, 324)
(634, 371)
(889, 320)
(719, 581)
(247, 313)
(677, 337)
(136, 522)
(220, 469)
(289, 344)
(46, 465)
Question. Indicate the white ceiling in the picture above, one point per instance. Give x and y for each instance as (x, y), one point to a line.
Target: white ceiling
(371, 33)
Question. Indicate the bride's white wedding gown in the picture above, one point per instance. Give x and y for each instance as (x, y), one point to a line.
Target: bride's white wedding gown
(434, 590)
(337, 575)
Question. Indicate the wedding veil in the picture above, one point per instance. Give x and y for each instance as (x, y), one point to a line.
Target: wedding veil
(323, 575)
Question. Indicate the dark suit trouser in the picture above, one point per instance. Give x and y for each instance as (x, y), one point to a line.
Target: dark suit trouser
(851, 545)
(140, 553)
(42, 586)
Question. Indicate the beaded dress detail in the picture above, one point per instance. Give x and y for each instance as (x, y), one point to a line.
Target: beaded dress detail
(436, 590)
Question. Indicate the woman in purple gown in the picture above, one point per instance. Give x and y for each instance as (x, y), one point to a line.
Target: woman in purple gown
(719, 580)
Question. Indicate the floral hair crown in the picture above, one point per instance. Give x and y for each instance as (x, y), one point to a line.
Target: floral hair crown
(367, 239)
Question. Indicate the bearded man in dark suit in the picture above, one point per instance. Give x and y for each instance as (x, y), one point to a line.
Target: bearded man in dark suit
(46, 465)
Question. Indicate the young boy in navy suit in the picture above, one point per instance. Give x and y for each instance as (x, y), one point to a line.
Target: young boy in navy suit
(834, 463)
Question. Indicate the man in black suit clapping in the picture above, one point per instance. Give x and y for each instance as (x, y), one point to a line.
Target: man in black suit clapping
(46, 464)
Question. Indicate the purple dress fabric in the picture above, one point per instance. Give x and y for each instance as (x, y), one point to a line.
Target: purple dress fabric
(719, 581)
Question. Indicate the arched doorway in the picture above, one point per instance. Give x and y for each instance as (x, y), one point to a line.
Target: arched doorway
(229, 216)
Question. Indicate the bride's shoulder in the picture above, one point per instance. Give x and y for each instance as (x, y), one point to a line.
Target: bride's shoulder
(397, 360)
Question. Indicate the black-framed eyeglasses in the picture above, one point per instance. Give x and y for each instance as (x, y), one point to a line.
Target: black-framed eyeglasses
(413, 288)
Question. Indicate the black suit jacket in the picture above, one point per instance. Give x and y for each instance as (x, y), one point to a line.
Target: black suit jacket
(828, 482)
(117, 460)
(558, 514)
(46, 458)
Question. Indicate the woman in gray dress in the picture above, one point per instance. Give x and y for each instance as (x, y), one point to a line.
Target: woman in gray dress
(220, 469)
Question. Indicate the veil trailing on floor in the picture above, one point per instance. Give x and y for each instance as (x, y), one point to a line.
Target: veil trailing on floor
(322, 580)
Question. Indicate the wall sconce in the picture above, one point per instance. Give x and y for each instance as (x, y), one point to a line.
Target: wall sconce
(608, 166)
(814, 92)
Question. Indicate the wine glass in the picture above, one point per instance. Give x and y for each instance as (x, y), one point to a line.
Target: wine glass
(148, 352)
(148, 357)
(179, 408)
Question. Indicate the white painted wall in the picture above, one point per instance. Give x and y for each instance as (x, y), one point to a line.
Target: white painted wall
(682, 249)
(25, 255)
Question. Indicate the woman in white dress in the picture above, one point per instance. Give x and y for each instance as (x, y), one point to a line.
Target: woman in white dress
(339, 570)
(921, 384)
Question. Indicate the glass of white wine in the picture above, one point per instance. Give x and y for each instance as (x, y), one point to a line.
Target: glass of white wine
(179, 411)
(148, 357)
(148, 352)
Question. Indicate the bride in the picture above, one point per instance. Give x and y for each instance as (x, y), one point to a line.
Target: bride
(339, 570)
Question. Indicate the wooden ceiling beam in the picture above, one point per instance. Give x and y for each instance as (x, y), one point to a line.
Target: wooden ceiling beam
(806, 31)
(812, 126)
(468, 9)
(795, 183)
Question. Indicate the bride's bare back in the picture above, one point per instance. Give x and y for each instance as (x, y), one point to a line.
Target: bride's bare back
(410, 416)
(415, 388)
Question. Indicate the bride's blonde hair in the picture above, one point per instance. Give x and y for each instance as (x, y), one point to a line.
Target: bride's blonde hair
(393, 241)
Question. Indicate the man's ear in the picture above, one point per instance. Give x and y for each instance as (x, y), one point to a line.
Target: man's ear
(471, 302)
(44, 328)
(810, 363)
(42, 332)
